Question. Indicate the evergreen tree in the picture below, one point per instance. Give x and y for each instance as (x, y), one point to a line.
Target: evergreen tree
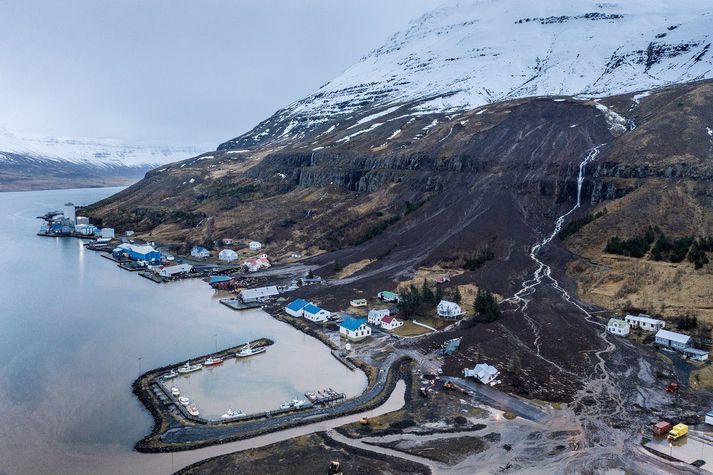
(439, 294)
(486, 305)
(310, 274)
(457, 297)
(337, 265)
(427, 293)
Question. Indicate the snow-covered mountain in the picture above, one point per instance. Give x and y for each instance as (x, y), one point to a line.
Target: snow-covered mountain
(29, 162)
(467, 54)
(99, 153)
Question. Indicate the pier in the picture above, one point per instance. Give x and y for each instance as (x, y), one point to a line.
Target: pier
(237, 304)
(343, 359)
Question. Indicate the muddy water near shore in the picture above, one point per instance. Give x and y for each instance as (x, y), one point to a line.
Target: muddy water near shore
(75, 331)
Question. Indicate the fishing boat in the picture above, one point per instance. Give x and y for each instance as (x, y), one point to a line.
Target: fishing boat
(184, 401)
(170, 375)
(189, 368)
(248, 350)
(175, 391)
(231, 414)
(193, 410)
(213, 361)
(294, 404)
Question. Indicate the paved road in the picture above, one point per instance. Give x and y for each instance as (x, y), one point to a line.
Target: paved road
(499, 399)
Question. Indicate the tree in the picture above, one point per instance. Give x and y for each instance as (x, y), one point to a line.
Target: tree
(457, 297)
(439, 294)
(337, 265)
(486, 305)
(427, 293)
(310, 274)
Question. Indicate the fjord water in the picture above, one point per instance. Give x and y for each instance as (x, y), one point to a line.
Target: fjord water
(74, 330)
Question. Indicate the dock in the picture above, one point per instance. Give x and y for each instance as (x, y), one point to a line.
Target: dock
(237, 304)
(153, 277)
(325, 396)
(343, 359)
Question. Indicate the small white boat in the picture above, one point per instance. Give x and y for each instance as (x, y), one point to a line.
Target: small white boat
(193, 410)
(285, 405)
(231, 414)
(175, 391)
(189, 368)
(247, 350)
(170, 375)
(213, 361)
(297, 403)
(184, 400)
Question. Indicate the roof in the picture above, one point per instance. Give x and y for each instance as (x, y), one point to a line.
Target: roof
(145, 249)
(260, 292)
(694, 351)
(448, 304)
(644, 319)
(297, 304)
(387, 319)
(673, 336)
(388, 294)
(352, 323)
(219, 278)
(616, 322)
(198, 249)
(311, 308)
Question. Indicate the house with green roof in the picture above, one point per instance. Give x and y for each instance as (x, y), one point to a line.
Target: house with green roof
(617, 326)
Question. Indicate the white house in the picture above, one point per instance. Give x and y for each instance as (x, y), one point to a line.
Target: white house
(199, 252)
(227, 255)
(354, 329)
(448, 309)
(315, 314)
(254, 245)
(296, 307)
(170, 271)
(390, 323)
(107, 233)
(375, 316)
(709, 417)
(358, 303)
(644, 322)
(259, 294)
(254, 264)
(677, 341)
(695, 354)
(484, 373)
(617, 326)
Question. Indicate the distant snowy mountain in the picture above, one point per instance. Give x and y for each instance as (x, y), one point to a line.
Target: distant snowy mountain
(467, 54)
(99, 153)
(38, 162)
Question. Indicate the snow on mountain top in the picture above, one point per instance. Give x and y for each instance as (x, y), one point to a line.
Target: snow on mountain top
(465, 54)
(94, 152)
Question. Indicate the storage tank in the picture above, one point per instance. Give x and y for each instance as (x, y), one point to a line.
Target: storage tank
(70, 212)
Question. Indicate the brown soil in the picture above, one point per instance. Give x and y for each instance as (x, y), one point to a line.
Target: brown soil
(308, 455)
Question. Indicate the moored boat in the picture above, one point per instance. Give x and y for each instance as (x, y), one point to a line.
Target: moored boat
(231, 414)
(213, 361)
(248, 350)
(175, 391)
(189, 368)
(170, 375)
(184, 400)
(193, 410)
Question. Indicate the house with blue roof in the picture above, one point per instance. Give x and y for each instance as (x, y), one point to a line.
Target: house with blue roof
(296, 307)
(354, 329)
(315, 314)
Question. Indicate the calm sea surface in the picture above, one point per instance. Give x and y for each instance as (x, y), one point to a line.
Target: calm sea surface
(75, 329)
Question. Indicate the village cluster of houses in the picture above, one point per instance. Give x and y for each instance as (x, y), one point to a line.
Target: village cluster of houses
(251, 264)
(351, 327)
(665, 338)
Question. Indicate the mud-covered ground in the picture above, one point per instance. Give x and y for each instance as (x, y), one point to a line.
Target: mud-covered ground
(306, 455)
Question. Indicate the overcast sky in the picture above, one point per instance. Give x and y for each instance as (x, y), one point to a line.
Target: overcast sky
(198, 71)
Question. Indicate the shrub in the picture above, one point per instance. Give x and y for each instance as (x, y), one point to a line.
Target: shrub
(486, 305)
